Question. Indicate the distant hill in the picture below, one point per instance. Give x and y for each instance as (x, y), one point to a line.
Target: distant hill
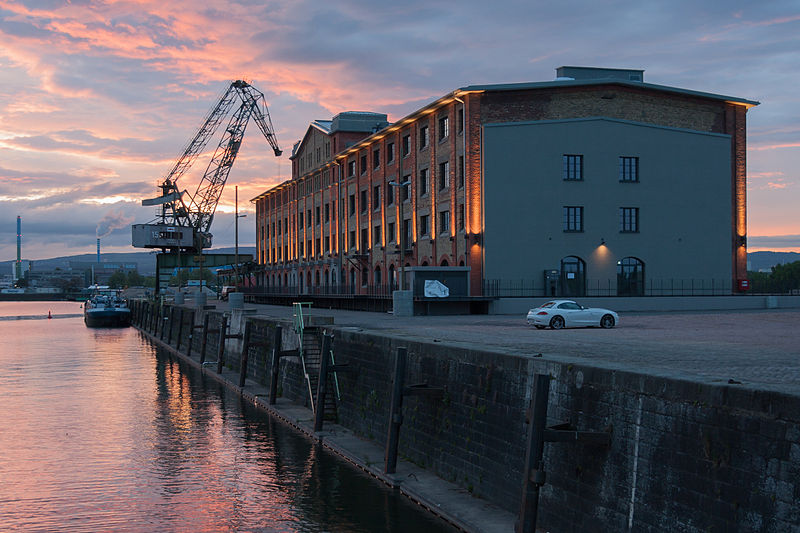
(757, 261)
(145, 261)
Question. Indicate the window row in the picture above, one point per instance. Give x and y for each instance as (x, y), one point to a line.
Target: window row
(572, 219)
(572, 168)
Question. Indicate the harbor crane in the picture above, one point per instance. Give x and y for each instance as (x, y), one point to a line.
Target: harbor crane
(184, 221)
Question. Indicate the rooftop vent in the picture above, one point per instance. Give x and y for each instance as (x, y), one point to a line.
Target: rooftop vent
(595, 73)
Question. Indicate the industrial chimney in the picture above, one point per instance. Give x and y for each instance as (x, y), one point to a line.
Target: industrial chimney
(98, 250)
(19, 248)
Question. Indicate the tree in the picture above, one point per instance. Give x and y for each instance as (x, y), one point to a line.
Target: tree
(118, 280)
(184, 275)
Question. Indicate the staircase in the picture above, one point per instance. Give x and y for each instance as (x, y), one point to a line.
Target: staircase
(310, 355)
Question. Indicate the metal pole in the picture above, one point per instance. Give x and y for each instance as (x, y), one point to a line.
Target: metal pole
(180, 329)
(221, 346)
(236, 231)
(276, 350)
(191, 335)
(245, 355)
(534, 468)
(322, 382)
(395, 412)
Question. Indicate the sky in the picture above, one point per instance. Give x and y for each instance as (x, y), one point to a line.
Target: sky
(99, 98)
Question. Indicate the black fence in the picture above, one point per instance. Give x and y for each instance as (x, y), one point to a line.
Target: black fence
(344, 291)
(526, 288)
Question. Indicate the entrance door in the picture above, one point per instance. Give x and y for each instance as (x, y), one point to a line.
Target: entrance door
(573, 276)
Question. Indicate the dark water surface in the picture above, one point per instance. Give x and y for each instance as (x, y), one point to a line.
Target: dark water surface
(100, 432)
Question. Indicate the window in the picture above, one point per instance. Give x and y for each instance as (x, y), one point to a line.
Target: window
(364, 240)
(390, 235)
(389, 195)
(423, 137)
(317, 250)
(300, 248)
(572, 167)
(406, 145)
(352, 239)
(327, 244)
(364, 164)
(310, 250)
(327, 212)
(461, 120)
(406, 233)
(572, 218)
(444, 222)
(423, 225)
(461, 216)
(405, 190)
(352, 204)
(308, 218)
(389, 153)
(363, 203)
(376, 197)
(630, 277)
(629, 220)
(317, 215)
(376, 158)
(423, 182)
(351, 168)
(460, 171)
(376, 235)
(629, 169)
(444, 127)
(444, 175)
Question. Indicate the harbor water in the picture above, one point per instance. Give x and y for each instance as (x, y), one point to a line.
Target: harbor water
(99, 431)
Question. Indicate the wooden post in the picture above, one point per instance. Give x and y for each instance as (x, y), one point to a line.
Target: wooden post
(245, 355)
(395, 412)
(192, 329)
(180, 329)
(204, 342)
(276, 358)
(171, 322)
(534, 475)
(223, 328)
(324, 357)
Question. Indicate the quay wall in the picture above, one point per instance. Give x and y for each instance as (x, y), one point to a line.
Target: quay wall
(683, 455)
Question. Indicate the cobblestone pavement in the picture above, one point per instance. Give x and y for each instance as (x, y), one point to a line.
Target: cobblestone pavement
(760, 349)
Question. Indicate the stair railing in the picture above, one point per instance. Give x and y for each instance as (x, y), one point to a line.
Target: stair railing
(299, 325)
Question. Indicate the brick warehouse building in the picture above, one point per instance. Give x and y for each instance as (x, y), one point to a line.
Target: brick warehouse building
(596, 183)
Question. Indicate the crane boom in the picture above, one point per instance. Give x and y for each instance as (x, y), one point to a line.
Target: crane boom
(186, 225)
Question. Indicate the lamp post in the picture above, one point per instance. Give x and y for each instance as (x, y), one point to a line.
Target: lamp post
(237, 216)
(402, 233)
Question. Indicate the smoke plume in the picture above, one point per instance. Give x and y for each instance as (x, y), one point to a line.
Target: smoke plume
(111, 221)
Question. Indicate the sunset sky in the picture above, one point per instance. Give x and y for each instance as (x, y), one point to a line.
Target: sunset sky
(97, 99)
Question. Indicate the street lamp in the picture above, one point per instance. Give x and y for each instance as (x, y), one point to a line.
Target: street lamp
(402, 233)
(237, 216)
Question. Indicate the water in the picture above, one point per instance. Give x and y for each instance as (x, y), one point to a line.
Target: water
(100, 432)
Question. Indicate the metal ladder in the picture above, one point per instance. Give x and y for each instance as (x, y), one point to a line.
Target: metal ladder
(310, 348)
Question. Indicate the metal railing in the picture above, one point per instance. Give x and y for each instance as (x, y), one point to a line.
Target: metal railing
(527, 288)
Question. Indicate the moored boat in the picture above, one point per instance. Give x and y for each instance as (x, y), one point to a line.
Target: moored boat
(106, 309)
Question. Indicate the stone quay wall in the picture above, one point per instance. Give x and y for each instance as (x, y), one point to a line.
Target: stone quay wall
(683, 455)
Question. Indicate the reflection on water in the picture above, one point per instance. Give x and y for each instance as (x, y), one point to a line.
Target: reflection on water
(100, 433)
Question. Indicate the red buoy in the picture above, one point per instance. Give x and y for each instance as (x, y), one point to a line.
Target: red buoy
(49, 315)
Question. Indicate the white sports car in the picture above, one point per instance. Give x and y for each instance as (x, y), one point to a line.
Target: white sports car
(567, 314)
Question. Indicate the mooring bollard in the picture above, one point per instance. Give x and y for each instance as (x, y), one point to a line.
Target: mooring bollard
(245, 355)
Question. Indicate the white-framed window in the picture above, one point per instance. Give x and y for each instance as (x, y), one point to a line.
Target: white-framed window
(629, 220)
(572, 218)
(572, 167)
(628, 169)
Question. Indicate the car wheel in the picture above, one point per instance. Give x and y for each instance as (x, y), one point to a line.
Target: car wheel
(607, 321)
(557, 322)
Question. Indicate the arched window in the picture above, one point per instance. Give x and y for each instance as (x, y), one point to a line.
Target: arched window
(630, 277)
(308, 281)
(392, 278)
(377, 280)
(444, 263)
(573, 276)
(364, 277)
(316, 278)
(352, 281)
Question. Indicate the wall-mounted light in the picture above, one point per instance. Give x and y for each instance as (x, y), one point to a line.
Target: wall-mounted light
(602, 241)
(742, 240)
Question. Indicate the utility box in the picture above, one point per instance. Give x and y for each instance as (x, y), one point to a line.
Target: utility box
(162, 236)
